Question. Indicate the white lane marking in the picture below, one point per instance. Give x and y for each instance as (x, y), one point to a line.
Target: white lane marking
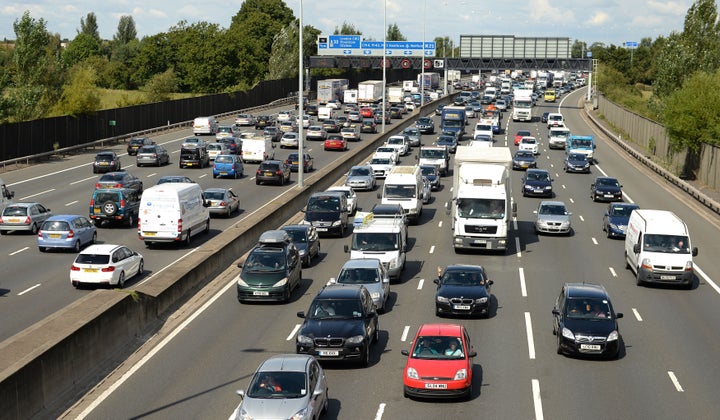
(71, 203)
(523, 287)
(707, 279)
(612, 271)
(83, 180)
(517, 246)
(637, 315)
(572, 201)
(405, 333)
(432, 249)
(420, 284)
(440, 224)
(563, 186)
(675, 381)
(112, 388)
(627, 197)
(35, 195)
(594, 241)
(293, 332)
(537, 402)
(18, 251)
(529, 332)
(151, 175)
(381, 410)
(175, 151)
(29, 289)
(202, 176)
(601, 170)
(582, 219)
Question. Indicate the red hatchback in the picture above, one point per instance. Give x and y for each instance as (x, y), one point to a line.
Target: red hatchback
(336, 142)
(440, 363)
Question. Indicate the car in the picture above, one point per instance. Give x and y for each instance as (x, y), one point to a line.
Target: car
(120, 179)
(228, 166)
(106, 264)
(413, 135)
(233, 144)
(425, 125)
(306, 121)
(379, 118)
(194, 157)
(520, 134)
(431, 173)
(389, 152)
(342, 121)
(306, 240)
(262, 121)
(288, 126)
(350, 133)
(275, 171)
(464, 290)
(368, 126)
(524, 159)
(311, 109)
(244, 120)
(585, 322)
(285, 386)
(606, 188)
(290, 139)
(136, 143)
(226, 131)
(440, 363)
(501, 105)
(400, 143)
(217, 148)
(439, 110)
(331, 126)
(552, 217)
(24, 216)
(272, 269)
(381, 165)
(396, 112)
(66, 231)
(106, 162)
(529, 143)
(328, 212)
(537, 183)
(616, 217)
(174, 178)
(361, 177)
(192, 142)
(335, 142)
(544, 117)
(152, 155)
(284, 116)
(426, 191)
(369, 272)
(449, 141)
(350, 195)
(114, 205)
(316, 132)
(354, 117)
(576, 162)
(367, 112)
(333, 104)
(294, 161)
(222, 201)
(555, 119)
(341, 324)
(272, 133)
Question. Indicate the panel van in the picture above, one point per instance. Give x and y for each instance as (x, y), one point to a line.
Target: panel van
(205, 125)
(658, 248)
(172, 212)
(257, 149)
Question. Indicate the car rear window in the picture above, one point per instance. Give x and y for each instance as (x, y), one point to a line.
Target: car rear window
(112, 177)
(55, 225)
(268, 167)
(104, 157)
(147, 149)
(214, 195)
(102, 197)
(15, 211)
(92, 259)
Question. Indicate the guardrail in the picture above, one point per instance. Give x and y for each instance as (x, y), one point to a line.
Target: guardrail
(57, 359)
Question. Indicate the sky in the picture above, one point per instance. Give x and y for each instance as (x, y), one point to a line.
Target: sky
(606, 21)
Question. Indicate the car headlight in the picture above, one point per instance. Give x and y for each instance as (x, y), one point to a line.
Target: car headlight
(302, 252)
(481, 300)
(613, 226)
(356, 339)
(548, 187)
(460, 375)
(412, 373)
(568, 334)
(241, 282)
(613, 336)
(375, 295)
(393, 263)
(528, 187)
(337, 223)
(304, 339)
(441, 299)
(300, 414)
(281, 283)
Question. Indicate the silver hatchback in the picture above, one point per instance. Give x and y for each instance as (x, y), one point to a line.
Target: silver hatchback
(370, 273)
(552, 217)
(23, 216)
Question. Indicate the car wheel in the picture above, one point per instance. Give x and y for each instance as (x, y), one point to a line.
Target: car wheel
(188, 238)
(365, 361)
(627, 264)
(141, 268)
(207, 227)
(121, 280)
(130, 220)
(257, 181)
(76, 246)
(306, 261)
(638, 280)
(109, 208)
(559, 348)
(94, 238)
(42, 248)
(34, 229)
(214, 175)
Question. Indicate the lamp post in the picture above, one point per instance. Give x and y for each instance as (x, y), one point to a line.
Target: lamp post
(384, 105)
(301, 109)
(422, 61)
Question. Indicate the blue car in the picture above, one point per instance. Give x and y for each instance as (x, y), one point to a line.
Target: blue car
(616, 217)
(228, 165)
(448, 141)
(68, 231)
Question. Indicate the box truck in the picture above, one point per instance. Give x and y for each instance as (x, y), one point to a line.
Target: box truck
(370, 91)
(331, 89)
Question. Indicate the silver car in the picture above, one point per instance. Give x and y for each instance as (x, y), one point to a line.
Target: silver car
(552, 217)
(361, 178)
(370, 273)
(23, 216)
(285, 386)
(223, 201)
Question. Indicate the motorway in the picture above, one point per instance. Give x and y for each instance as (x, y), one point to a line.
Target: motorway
(667, 369)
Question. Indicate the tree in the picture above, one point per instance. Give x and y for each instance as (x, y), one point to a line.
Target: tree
(89, 26)
(347, 29)
(578, 49)
(81, 48)
(160, 86)
(690, 114)
(445, 47)
(155, 54)
(394, 34)
(284, 57)
(79, 95)
(201, 57)
(126, 31)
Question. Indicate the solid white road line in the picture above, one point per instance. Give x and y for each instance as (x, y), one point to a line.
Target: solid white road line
(83, 180)
(675, 381)
(18, 251)
(523, 288)
(71, 203)
(637, 315)
(531, 341)
(293, 332)
(406, 330)
(29, 289)
(536, 399)
(707, 279)
(594, 241)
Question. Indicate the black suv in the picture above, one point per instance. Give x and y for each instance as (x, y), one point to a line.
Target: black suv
(341, 324)
(194, 157)
(272, 269)
(275, 171)
(106, 162)
(136, 143)
(114, 205)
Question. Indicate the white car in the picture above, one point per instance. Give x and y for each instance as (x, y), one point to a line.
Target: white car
(216, 149)
(529, 143)
(387, 152)
(400, 143)
(381, 166)
(105, 265)
(306, 121)
(350, 195)
(290, 139)
(284, 116)
(334, 104)
(245, 119)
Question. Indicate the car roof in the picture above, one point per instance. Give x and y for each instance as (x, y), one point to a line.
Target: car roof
(23, 204)
(362, 263)
(63, 217)
(285, 362)
(552, 203)
(100, 249)
(340, 291)
(585, 290)
(446, 330)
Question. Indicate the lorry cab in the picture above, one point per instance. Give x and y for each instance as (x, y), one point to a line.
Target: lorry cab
(382, 238)
(404, 186)
(6, 196)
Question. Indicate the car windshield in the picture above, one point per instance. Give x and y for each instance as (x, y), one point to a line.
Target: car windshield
(528, 141)
(587, 308)
(432, 153)
(478, 208)
(298, 236)
(380, 161)
(538, 176)
(453, 123)
(400, 191)
(147, 149)
(582, 143)
(552, 209)
(359, 172)
(395, 140)
(608, 182)
(523, 133)
(524, 154)
(278, 385)
(411, 131)
(102, 197)
(385, 150)
(265, 261)
(377, 241)
(358, 276)
(335, 309)
(675, 244)
(577, 156)
(621, 211)
(15, 211)
(104, 158)
(438, 348)
(463, 278)
(428, 170)
(324, 203)
(92, 259)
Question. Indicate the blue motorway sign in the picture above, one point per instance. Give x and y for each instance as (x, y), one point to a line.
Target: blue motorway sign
(631, 44)
(353, 45)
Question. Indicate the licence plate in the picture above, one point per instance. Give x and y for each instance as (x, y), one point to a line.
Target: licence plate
(589, 347)
(149, 233)
(538, 191)
(14, 220)
(96, 211)
(667, 277)
(223, 173)
(461, 307)
(54, 235)
(268, 174)
(435, 386)
(480, 241)
(608, 196)
(90, 270)
(260, 293)
(329, 353)
(321, 229)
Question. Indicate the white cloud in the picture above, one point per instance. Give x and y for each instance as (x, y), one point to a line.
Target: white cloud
(599, 18)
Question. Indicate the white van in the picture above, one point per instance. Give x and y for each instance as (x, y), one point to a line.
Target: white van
(658, 249)
(6, 196)
(172, 212)
(257, 149)
(205, 125)
(325, 113)
(403, 185)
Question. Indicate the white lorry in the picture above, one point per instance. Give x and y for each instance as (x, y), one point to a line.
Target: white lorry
(410, 86)
(404, 186)
(370, 91)
(331, 89)
(482, 204)
(172, 212)
(381, 238)
(350, 96)
(396, 95)
(522, 105)
(453, 75)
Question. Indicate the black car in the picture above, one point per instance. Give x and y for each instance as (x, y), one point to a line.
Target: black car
(137, 142)
(275, 171)
(293, 160)
(119, 205)
(439, 109)
(263, 121)
(194, 157)
(331, 126)
(328, 212)
(432, 174)
(524, 159)
(585, 322)
(106, 162)
(544, 117)
(462, 290)
(576, 162)
(537, 183)
(606, 188)
(425, 125)
(235, 145)
(311, 109)
(341, 324)
(616, 218)
(368, 126)
(395, 112)
(306, 240)
(449, 141)
(272, 133)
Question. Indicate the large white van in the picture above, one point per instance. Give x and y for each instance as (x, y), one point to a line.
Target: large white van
(257, 149)
(172, 212)
(205, 125)
(6, 196)
(658, 248)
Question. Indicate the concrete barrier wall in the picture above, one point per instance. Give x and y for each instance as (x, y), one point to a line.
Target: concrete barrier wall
(53, 362)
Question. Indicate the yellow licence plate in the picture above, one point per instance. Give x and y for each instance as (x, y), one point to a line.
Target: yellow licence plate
(96, 210)
(149, 233)
(90, 270)
(54, 235)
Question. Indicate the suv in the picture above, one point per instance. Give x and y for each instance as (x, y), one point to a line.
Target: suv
(114, 204)
(341, 324)
(106, 162)
(272, 269)
(275, 171)
(137, 142)
(328, 212)
(194, 157)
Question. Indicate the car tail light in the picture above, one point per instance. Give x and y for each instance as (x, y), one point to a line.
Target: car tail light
(118, 186)
(92, 202)
(179, 229)
(278, 172)
(122, 203)
(97, 185)
(138, 224)
(27, 220)
(222, 203)
(154, 155)
(39, 233)
(108, 269)
(74, 268)
(71, 234)
(257, 172)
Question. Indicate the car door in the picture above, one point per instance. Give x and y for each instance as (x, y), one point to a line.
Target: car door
(85, 230)
(293, 263)
(130, 261)
(560, 307)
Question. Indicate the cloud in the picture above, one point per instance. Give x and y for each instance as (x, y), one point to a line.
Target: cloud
(599, 18)
(541, 10)
(668, 8)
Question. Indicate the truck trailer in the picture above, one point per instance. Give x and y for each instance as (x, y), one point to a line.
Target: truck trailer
(331, 89)
(432, 80)
(370, 91)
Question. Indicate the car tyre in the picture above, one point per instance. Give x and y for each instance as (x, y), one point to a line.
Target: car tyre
(130, 220)
(34, 229)
(94, 238)
(141, 268)
(76, 246)
(121, 280)
(559, 348)
(207, 227)
(365, 361)
(109, 208)
(42, 248)
(188, 238)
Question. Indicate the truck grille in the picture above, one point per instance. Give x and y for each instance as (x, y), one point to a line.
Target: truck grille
(480, 229)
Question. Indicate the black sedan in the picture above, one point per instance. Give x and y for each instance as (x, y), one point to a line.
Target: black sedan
(606, 188)
(537, 183)
(294, 161)
(431, 173)
(306, 240)
(462, 290)
(448, 141)
(585, 322)
(616, 218)
(106, 162)
(524, 159)
(368, 126)
(136, 143)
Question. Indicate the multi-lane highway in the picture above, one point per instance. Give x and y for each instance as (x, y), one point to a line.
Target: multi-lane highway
(667, 369)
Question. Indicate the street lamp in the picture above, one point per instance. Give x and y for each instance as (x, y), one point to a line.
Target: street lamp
(384, 104)
(422, 61)
(301, 110)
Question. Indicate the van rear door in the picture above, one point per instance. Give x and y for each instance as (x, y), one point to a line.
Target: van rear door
(159, 216)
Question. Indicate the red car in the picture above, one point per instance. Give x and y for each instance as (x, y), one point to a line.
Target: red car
(367, 112)
(440, 363)
(336, 142)
(520, 134)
